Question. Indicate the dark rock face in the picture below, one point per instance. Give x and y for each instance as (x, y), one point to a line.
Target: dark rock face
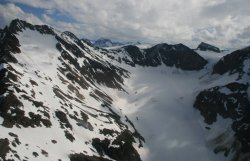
(82, 157)
(124, 152)
(8, 44)
(232, 63)
(64, 122)
(18, 26)
(207, 47)
(178, 55)
(136, 55)
(87, 41)
(229, 101)
(213, 102)
(4, 148)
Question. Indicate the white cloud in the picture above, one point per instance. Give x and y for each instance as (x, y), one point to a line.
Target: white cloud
(47, 19)
(10, 11)
(215, 21)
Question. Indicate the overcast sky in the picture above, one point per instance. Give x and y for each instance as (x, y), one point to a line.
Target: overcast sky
(225, 23)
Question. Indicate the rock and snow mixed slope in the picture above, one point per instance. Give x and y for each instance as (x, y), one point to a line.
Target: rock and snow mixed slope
(160, 104)
(229, 99)
(62, 99)
(52, 107)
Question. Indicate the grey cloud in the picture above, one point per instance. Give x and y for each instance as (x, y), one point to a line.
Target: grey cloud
(245, 34)
(227, 8)
(171, 21)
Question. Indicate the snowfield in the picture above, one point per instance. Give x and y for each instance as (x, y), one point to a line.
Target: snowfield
(160, 104)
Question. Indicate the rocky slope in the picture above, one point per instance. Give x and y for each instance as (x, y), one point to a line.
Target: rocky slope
(52, 106)
(230, 101)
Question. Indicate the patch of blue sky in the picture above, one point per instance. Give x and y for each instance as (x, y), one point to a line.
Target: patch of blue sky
(28, 9)
(62, 17)
(39, 12)
(3, 1)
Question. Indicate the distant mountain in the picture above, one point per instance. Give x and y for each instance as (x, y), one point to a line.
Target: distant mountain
(87, 41)
(207, 47)
(179, 56)
(104, 42)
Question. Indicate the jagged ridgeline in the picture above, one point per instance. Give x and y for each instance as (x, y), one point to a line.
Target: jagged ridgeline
(52, 105)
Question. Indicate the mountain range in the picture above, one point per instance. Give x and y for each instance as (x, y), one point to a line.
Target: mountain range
(65, 99)
(104, 42)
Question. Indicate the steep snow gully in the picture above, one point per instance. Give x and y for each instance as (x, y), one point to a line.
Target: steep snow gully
(64, 99)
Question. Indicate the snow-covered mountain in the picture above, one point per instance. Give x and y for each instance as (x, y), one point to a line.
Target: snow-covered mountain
(104, 43)
(63, 99)
(53, 106)
(207, 47)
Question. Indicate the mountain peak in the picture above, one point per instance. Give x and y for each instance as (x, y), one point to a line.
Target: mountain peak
(105, 42)
(207, 47)
(103, 39)
(18, 25)
(177, 55)
(233, 63)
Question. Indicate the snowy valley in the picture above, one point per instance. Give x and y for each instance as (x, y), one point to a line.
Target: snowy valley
(63, 99)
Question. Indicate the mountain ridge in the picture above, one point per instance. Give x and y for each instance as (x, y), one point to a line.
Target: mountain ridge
(207, 47)
(17, 101)
(105, 43)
